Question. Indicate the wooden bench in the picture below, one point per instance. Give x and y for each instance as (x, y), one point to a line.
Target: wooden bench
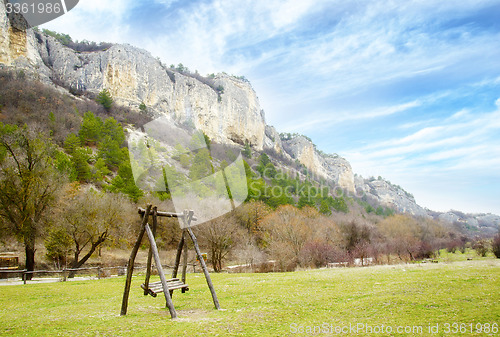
(156, 288)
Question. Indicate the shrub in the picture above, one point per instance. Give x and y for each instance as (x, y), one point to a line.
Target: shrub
(58, 245)
(104, 98)
(481, 247)
(495, 246)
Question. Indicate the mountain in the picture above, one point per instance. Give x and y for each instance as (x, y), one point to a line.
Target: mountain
(225, 107)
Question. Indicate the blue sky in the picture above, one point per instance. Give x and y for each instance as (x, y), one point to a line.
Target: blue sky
(409, 90)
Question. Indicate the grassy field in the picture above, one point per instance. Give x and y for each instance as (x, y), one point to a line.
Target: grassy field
(274, 304)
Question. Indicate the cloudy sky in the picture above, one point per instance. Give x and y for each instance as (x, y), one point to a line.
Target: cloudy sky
(409, 90)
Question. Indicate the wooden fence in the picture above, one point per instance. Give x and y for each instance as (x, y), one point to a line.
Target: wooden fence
(100, 272)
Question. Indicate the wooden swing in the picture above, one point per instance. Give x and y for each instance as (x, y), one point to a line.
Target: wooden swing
(165, 286)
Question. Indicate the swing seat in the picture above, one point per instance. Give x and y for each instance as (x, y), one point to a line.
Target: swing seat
(156, 288)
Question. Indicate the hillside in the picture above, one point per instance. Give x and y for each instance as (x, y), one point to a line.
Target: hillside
(224, 107)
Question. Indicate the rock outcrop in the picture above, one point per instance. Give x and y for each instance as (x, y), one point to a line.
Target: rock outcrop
(481, 224)
(331, 167)
(133, 76)
(383, 192)
(18, 47)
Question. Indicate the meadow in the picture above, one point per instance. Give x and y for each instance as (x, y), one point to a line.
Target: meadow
(425, 299)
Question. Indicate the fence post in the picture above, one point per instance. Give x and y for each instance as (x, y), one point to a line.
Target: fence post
(24, 277)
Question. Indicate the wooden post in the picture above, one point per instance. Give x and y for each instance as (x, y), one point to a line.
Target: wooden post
(150, 254)
(156, 256)
(131, 260)
(187, 217)
(184, 266)
(178, 255)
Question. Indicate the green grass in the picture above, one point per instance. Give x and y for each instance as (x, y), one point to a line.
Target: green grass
(263, 304)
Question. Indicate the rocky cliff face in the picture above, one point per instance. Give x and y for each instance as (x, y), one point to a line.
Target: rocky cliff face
(385, 193)
(330, 167)
(479, 224)
(133, 76)
(18, 48)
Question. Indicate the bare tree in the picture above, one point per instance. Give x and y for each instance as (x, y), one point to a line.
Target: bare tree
(287, 230)
(219, 236)
(403, 235)
(29, 184)
(90, 218)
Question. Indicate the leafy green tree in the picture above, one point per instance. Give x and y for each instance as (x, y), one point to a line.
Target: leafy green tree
(270, 171)
(369, 208)
(29, 184)
(58, 245)
(324, 207)
(80, 159)
(276, 199)
(111, 128)
(64, 165)
(100, 170)
(208, 141)
(305, 200)
(264, 159)
(90, 131)
(124, 182)
(104, 98)
(71, 143)
(111, 152)
(247, 151)
(340, 205)
(202, 165)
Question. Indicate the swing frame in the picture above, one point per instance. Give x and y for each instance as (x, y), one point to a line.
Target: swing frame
(187, 216)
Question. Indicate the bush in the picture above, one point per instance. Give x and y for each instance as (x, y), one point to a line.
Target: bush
(58, 245)
(481, 247)
(104, 98)
(495, 246)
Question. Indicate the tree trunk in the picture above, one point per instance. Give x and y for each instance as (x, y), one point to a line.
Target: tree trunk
(29, 246)
(78, 264)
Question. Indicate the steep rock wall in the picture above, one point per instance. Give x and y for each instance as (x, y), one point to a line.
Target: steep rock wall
(330, 167)
(134, 76)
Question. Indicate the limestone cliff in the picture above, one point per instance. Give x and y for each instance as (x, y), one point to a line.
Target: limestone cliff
(331, 167)
(383, 192)
(478, 224)
(18, 47)
(133, 76)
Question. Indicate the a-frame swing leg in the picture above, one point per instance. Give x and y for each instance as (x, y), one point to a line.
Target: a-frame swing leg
(184, 266)
(150, 254)
(131, 260)
(156, 256)
(187, 217)
(178, 255)
(180, 247)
